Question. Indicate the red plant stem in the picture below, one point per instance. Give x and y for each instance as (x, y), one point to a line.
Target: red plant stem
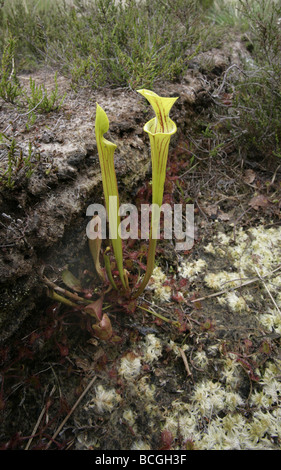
(149, 268)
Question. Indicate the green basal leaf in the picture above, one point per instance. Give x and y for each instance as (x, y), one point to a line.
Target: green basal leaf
(108, 270)
(106, 157)
(59, 298)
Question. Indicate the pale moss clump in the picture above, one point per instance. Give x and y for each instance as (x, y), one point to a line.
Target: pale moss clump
(130, 366)
(209, 401)
(104, 400)
(131, 363)
(129, 417)
(206, 402)
(157, 282)
(211, 419)
(190, 270)
(250, 254)
(152, 348)
(210, 249)
(260, 251)
(140, 445)
(208, 397)
(146, 389)
(214, 407)
(233, 400)
(222, 280)
(271, 382)
(221, 435)
(230, 373)
(150, 406)
(180, 418)
(260, 400)
(257, 248)
(262, 428)
(271, 320)
(200, 359)
(212, 415)
(223, 238)
(236, 303)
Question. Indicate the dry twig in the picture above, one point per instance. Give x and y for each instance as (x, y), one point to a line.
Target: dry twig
(71, 411)
(38, 421)
(185, 362)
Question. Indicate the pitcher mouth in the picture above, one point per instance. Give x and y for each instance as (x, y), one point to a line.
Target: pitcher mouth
(151, 125)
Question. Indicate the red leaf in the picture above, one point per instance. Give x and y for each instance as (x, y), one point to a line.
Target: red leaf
(95, 309)
(103, 330)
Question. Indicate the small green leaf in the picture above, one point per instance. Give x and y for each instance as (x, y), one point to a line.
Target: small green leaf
(71, 281)
(53, 295)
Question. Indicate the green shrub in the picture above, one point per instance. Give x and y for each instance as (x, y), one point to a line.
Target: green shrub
(44, 102)
(258, 90)
(10, 87)
(128, 44)
(258, 102)
(263, 17)
(227, 14)
(19, 164)
(103, 42)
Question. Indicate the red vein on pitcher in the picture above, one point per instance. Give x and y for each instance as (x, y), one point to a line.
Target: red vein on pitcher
(106, 151)
(163, 128)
